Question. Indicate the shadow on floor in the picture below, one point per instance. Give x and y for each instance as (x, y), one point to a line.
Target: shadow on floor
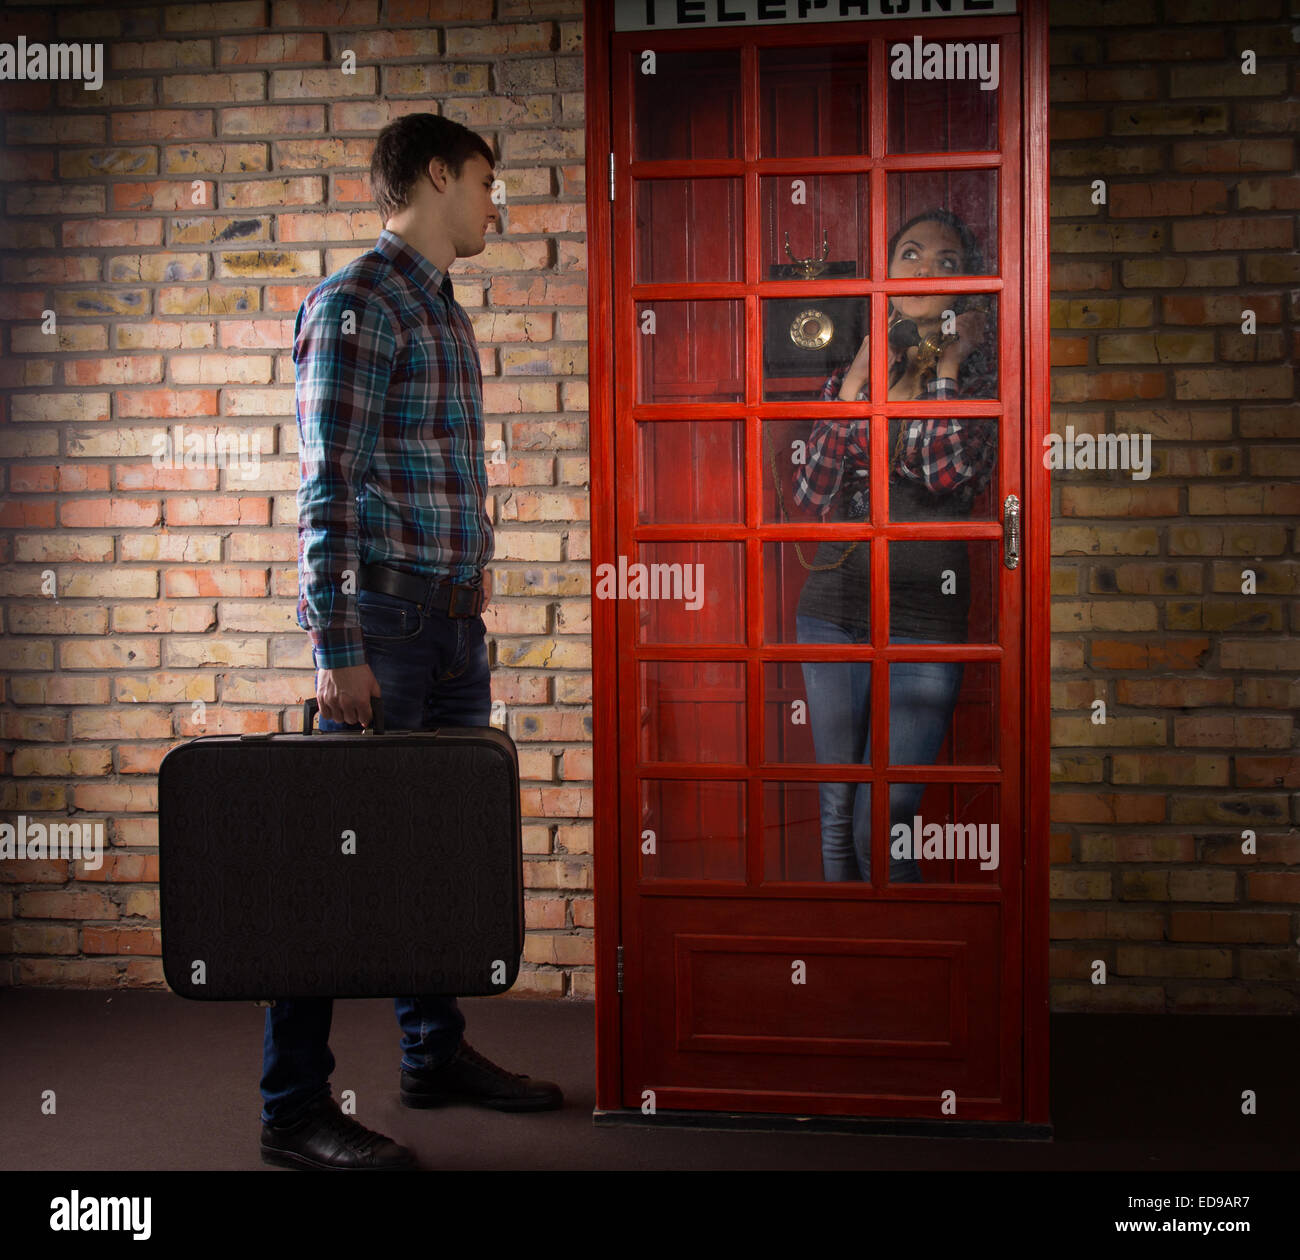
(147, 1081)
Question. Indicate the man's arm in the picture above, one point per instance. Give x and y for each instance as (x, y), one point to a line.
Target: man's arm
(343, 351)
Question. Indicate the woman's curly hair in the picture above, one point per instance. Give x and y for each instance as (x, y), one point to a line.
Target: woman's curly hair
(978, 375)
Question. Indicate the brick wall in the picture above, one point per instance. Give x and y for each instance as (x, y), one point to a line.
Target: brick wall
(176, 586)
(1199, 679)
(174, 220)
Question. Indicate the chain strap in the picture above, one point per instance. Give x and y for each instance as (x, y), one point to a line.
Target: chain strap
(780, 500)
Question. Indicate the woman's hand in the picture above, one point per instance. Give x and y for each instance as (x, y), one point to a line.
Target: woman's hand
(855, 379)
(970, 332)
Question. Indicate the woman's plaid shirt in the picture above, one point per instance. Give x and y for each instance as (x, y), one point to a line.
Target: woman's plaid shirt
(390, 430)
(943, 455)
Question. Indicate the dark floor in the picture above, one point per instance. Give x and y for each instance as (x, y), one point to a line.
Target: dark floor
(146, 1080)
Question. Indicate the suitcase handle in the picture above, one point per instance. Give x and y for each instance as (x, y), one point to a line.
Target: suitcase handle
(311, 706)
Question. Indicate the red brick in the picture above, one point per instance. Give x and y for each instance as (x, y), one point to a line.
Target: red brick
(1082, 387)
(327, 13)
(1168, 197)
(1234, 234)
(166, 403)
(162, 124)
(270, 120)
(80, 233)
(96, 513)
(1233, 155)
(163, 195)
(134, 940)
(352, 188)
(239, 50)
(135, 369)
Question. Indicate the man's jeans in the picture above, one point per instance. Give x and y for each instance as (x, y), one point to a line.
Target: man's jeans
(432, 671)
(922, 696)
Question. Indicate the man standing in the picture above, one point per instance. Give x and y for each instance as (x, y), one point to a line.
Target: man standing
(392, 506)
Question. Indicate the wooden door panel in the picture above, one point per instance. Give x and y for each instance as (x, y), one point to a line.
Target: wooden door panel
(899, 1003)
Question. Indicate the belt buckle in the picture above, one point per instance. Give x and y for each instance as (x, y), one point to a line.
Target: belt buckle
(461, 607)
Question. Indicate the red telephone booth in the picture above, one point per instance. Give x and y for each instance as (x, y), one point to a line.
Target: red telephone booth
(820, 661)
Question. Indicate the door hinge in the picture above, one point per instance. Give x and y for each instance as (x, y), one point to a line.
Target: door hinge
(620, 969)
(611, 176)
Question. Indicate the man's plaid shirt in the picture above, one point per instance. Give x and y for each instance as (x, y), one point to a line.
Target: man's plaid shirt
(390, 428)
(942, 455)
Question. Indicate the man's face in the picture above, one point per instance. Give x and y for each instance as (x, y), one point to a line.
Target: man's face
(469, 212)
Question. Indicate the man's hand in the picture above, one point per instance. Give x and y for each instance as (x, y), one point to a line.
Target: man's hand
(344, 694)
(487, 587)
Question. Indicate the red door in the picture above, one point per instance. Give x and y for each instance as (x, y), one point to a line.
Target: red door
(816, 606)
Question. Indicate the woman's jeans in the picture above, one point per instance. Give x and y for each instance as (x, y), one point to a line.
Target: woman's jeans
(432, 671)
(922, 696)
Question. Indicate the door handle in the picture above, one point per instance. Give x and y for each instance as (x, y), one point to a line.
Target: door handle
(1011, 531)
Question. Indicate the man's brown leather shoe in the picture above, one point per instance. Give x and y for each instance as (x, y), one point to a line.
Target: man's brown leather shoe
(322, 1137)
(469, 1077)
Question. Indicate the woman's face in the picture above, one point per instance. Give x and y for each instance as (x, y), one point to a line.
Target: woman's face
(926, 250)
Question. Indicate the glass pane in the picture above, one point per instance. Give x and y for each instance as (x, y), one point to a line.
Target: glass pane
(943, 95)
(690, 470)
(818, 470)
(813, 228)
(825, 585)
(822, 831)
(692, 711)
(925, 482)
(945, 833)
(965, 203)
(943, 590)
(788, 461)
(941, 337)
(808, 832)
(687, 229)
(665, 128)
(690, 352)
(687, 592)
(697, 829)
(817, 712)
(818, 220)
(813, 101)
(805, 340)
(943, 712)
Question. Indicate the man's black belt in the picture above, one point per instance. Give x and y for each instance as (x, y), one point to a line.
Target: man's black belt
(456, 599)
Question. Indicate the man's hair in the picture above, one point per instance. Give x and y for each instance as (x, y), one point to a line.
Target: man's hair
(404, 150)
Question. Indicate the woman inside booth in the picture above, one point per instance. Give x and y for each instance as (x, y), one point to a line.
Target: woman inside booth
(936, 468)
